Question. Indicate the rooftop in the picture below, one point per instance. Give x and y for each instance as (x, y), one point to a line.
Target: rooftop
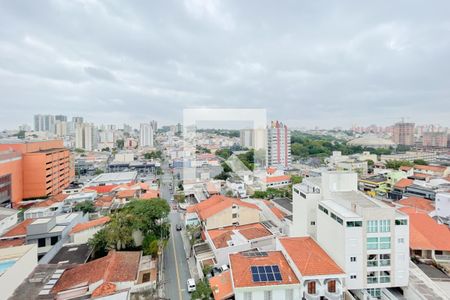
(72, 254)
(309, 257)
(221, 285)
(285, 203)
(215, 204)
(241, 268)
(418, 203)
(91, 224)
(111, 178)
(222, 236)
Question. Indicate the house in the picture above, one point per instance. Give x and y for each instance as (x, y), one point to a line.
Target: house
(104, 276)
(263, 275)
(319, 275)
(221, 286)
(427, 240)
(439, 171)
(221, 211)
(277, 181)
(82, 232)
(150, 194)
(400, 188)
(231, 239)
(443, 205)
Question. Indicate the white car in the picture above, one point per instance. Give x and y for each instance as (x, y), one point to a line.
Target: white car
(224, 268)
(191, 285)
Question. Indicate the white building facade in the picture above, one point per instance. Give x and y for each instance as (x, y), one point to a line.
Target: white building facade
(146, 135)
(278, 153)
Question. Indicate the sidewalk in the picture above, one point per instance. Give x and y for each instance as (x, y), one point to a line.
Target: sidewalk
(191, 260)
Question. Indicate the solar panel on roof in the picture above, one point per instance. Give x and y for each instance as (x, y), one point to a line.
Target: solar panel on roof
(266, 273)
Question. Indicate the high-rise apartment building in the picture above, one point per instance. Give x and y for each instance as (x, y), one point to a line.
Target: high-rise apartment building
(10, 177)
(435, 139)
(278, 151)
(60, 128)
(77, 120)
(367, 238)
(253, 138)
(154, 125)
(86, 136)
(146, 135)
(46, 169)
(403, 133)
(44, 123)
(61, 118)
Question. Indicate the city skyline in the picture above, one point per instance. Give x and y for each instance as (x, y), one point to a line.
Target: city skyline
(309, 64)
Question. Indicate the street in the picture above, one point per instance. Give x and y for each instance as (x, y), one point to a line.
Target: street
(176, 269)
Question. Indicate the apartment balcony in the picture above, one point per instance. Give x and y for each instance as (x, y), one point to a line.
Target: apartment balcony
(334, 296)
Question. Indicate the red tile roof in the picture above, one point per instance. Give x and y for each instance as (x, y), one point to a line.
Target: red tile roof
(91, 224)
(105, 289)
(221, 236)
(150, 194)
(271, 170)
(12, 243)
(309, 257)
(242, 275)
(216, 204)
(280, 178)
(19, 230)
(405, 168)
(425, 233)
(115, 267)
(420, 175)
(221, 286)
(101, 189)
(404, 182)
(275, 210)
(430, 168)
(52, 200)
(419, 203)
(126, 194)
(211, 188)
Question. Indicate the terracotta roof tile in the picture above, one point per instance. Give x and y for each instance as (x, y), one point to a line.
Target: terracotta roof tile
(87, 225)
(216, 204)
(419, 203)
(150, 194)
(240, 266)
(101, 189)
(405, 168)
(12, 243)
(430, 168)
(19, 230)
(126, 194)
(280, 178)
(425, 233)
(221, 286)
(404, 182)
(275, 210)
(52, 200)
(309, 257)
(115, 267)
(105, 289)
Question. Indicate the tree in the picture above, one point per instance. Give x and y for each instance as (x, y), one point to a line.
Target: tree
(153, 155)
(119, 231)
(99, 243)
(420, 162)
(224, 153)
(202, 291)
(85, 207)
(150, 245)
(180, 197)
(396, 164)
(79, 150)
(98, 171)
(222, 176)
(21, 134)
(295, 179)
(370, 162)
(120, 143)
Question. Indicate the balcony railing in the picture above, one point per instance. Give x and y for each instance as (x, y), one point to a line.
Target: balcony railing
(442, 257)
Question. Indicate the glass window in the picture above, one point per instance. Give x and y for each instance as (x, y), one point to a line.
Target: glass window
(385, 243)
(385, 276)
(401, 222)
(234, 216)
(312, 287)
(354, 224)
(372, 277)
(247, 295)
(352, 276)
(385, 260)
(53, 240)
(372, 260)
(374, 292)
(353, 258)
(372, 226)
(41, 242)
(372, 243)
(267, 295)
(332, 286)
(385, 225)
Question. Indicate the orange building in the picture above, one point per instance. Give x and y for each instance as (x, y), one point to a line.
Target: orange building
(10, 177)
(47, 167)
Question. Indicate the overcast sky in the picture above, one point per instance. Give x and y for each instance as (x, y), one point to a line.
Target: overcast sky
(307, 62)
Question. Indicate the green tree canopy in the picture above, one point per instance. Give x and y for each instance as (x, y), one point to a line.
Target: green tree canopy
(85, 207)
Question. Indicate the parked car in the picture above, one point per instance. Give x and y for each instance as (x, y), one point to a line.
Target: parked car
(191, 285)
(178, 227)
(224, 268)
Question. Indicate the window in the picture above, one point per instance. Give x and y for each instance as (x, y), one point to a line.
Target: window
(234, 216)
(385, 225)
(372, 260)
(353, 276)
(337, 219)
(385, 260)
(372, 226)
(267, 295)
(312, 287)
(385, 276)
(374, 292)
(247, 295)
(41, 242)
(332, 286)
(372, 277)
(401, 222)
(401, 240)
(313, 223)
(354, 224)
(353, 258)
(372, 243)
(53, 240)
(385, 243)
(289, 294)
(146, 277)
(323, 209)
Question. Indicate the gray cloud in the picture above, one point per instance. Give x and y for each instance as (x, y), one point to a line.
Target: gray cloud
(309, 62)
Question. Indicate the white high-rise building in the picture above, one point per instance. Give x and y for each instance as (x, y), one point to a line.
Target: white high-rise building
(367, 238)
(278, 151)
(154, 125)
(86, 136)
(44, 123)
(253, 138)
(60, 128)
(146, 135)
